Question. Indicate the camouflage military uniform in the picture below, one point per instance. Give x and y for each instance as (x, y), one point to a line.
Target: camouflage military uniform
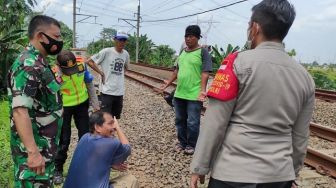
(31, 84)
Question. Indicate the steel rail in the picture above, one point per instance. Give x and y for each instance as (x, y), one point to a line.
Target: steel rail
(327, 95)
(150, 77)
(325, 91)
(323, 132)
(323, 163)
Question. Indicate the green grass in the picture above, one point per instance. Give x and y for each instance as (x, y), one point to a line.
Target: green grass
(6, 163)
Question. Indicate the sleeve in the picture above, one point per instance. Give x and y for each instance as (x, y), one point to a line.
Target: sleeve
(212, 132)
(24, 86)
(48, 78)
(206, 61)
(300, 133)
(127, 61)
(121, 153)
(99, 57)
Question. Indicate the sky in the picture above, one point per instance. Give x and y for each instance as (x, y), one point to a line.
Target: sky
(312, 35)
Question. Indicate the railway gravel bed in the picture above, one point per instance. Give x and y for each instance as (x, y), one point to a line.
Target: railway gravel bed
(148, 122)
(325, 113)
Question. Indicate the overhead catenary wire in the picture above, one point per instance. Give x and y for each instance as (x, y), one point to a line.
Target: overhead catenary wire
(189, 15)
(159, 5)
(165, 10)
(233, 12)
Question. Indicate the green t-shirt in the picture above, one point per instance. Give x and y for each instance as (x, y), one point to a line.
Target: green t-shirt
(191, 64)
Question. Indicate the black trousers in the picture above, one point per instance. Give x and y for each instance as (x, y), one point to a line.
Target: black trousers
(81, 117)
(112, 104)
(214, 183)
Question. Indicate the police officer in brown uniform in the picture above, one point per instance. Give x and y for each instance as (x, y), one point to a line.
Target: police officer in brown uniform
(257, 138)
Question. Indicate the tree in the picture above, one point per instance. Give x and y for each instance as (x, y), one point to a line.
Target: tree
(292, 53)
(108, 33)
(12, 32)
(66, 33)
(145, 47)
(162, 55)
(105, 41)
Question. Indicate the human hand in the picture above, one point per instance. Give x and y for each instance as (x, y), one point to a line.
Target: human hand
(195, 178)
(36, 163)
(115, 125)
(294, 185)
(202, 96)
(102, 77)
(120, 167)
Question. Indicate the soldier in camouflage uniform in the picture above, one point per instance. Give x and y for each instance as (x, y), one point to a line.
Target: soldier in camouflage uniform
(35, 106)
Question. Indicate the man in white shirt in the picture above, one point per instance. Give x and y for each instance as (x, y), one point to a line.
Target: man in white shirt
(113, 62)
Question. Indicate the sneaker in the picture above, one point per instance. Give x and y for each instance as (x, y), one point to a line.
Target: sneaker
(58, 178)
(189, 150)
(178, 148)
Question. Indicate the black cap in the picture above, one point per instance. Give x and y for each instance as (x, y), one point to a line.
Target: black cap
(67, 61)
(194, 30)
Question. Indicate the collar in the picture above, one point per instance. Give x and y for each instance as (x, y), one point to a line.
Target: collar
(31, 49)
(271, 45)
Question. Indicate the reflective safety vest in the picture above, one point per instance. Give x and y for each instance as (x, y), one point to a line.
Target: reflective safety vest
(74, 91)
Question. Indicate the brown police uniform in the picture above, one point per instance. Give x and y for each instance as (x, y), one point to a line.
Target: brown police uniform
(262, 134)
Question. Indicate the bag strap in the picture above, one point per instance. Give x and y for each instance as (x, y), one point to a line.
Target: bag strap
(229, 60)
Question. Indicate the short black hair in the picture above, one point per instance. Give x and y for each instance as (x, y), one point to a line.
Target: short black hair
(275, 17)
(96, 118)
(194, 30)
(40, 21)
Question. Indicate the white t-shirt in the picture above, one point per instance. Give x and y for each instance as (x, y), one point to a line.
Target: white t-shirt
(112, 64)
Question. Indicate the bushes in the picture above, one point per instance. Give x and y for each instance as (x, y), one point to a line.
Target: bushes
(6, 163)
(324, 78)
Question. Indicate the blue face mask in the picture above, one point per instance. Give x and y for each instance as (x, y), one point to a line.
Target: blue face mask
(52, 42)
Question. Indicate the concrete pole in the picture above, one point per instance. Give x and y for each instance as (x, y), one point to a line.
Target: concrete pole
(74, 25)
(137, 38)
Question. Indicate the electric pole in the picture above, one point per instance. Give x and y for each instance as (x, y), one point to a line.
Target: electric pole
(137, 30)
(137, 38)
(74, 25)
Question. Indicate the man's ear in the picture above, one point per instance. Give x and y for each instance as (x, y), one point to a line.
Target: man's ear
(39, 36)
(97, 128)
(257, 28)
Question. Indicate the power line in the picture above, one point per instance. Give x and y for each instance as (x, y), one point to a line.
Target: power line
(180, 17)
(233, 12)
(104, 8)
(159, 5)
(165, 10)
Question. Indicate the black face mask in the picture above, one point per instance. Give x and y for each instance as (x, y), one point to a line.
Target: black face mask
(52, 42)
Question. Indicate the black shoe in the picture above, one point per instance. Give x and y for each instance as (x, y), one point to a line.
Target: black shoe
(58, 178)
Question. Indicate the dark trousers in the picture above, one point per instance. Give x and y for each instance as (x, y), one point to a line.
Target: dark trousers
(224, 184)
(81, 117)
(187, 121)
(112, 104)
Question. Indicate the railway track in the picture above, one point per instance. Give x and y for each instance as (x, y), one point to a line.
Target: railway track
(323, 163)
(329, 96)
(326, 95)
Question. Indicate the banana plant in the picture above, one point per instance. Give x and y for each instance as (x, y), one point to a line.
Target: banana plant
(218, 54)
